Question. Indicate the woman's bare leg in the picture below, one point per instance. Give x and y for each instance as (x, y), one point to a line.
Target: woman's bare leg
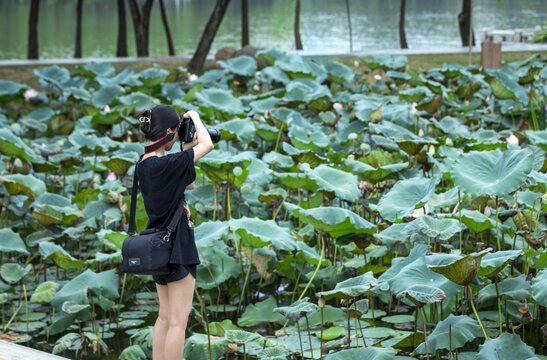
(180, 294)
(162, 324)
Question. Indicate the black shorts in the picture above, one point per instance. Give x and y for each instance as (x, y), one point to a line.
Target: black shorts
(177, 272)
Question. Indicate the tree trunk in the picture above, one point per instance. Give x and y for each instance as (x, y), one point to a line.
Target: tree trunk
(349, 26)
(121, 48)
(33, 29)
(297, 41)
(167, 31)
(208, 36)
(244, 23)
(78, 46)
(402, 34)
(141, 24)
(464, 20)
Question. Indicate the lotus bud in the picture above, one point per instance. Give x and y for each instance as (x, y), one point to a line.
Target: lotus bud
(420, 133)
(106, 108)
(392, 85)
(351, 157)
(114, 197)
(256, 88)
(544, 198)
(236, 83)
(365, 186)
(30, 93)
(431, 149)
(364, 147)
(445, 96)
(356, 63)
(111, 176)
(352, 136)
(18, 163)
(413, 109)
(238, 171)
(16, 128)
(192, 77)
(267, 113)
(245, 189)
(199, 207)
(377, 77)
(512, 139)
(466, 103)
(487, 211)
(338, 107)
(536, 77)
(289, 121)
(448, 142)
(321, 301)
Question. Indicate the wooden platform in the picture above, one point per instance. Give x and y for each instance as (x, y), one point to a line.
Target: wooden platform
(11, 351)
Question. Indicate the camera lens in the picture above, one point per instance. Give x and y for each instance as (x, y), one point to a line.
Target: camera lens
(215, 135)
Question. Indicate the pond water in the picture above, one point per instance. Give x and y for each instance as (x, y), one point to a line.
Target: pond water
(324, 25)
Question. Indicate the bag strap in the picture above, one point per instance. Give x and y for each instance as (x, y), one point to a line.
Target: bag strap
(133, 207)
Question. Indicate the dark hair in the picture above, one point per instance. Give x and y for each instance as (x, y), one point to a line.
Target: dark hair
(156, 121)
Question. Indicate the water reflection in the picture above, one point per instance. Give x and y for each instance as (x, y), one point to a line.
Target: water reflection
(324, 27)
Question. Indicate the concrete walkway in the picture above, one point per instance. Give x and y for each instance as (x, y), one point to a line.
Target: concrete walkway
(505, 47)
(11, 351)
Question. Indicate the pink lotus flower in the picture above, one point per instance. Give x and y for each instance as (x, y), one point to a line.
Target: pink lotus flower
(413, 109)
(266, 113)
(106, 108)
(111, 176)
(30, 93)
(512, 139)
(338, 107)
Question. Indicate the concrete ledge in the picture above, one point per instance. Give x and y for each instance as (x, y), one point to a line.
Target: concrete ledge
(11, 351)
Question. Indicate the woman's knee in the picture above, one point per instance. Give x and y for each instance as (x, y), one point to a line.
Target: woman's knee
(178, 321)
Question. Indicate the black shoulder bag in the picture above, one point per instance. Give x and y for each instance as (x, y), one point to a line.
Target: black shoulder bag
(147, 253)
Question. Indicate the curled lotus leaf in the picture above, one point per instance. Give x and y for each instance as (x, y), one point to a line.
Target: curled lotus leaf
(477, 221)
(153, 76)
(44, 292)
(221, 100)
(493, 263)
(462, 329)
(243, 65)
(369, 172)
(120, 163)
(60, 256)
(11, 145)
(351, 288)
(28, 185)
(422, 295)
(362, 308)
(385, 62)
(259, 233)
(242, 129)
(339, 72)
(493, 173)
(12, 242)
(505, 86)
(273, 353)
(13, 272)
(305, 139)
(462, 271)
(539, 287)
(240, 337)
(341, 183)
(297, 309)
(516, 288)
(444, 229)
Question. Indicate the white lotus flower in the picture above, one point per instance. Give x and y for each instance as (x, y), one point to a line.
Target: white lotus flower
(512, 139)
(352, 136)
(193, 77)
(30, 93)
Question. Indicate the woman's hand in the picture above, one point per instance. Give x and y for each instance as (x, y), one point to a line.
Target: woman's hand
(190, 145)
(205, 144)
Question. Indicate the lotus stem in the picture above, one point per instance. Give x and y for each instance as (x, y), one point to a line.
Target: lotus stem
(26, 302)
(460, 218)
(497, 226)
(204, 315)
(349, 329)
(450, 342)
(360, 327)
(316, 269)
(309, 335)
(321, 350)
(425, 332)
(371, 304)
(470, 293)
(246, 277)
(215, 200)
(121, 294)
(498, 298)
(244, 353)
(279, 136)
(228, 202)
(12, 317)
(276, 211)
(415, 328)
(300, 339)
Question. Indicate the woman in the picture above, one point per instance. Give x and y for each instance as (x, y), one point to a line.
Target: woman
(162, 181)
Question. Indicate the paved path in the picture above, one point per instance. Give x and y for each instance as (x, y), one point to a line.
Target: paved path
(506, 47)
(11, 351)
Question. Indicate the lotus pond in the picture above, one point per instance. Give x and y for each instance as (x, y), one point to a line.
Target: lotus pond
(389, 214)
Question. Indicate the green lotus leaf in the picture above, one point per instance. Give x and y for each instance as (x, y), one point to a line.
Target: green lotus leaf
(55, 75)
(506, 86)
(273, 353)
(258, 233)
(506, 347)
(44, 292)
(453, 127)
(368, 172)
(334, 220)
(297, 67)
(138, 101)
(331, 333)
(28, 185)
(242, 65)
(94, 68)
(444, 229)
(208, 233)
(464, 270)
(273, 196)
(73, 308)
(341, 183)
(242, 129)
(267, 132)
(400, 77)
(104, 284)
(106, 95)
(218, 165)
(220, 265)
(263, 105)
(121, 162)
(106, 118)
(60, 256)
(309, 157)
(281, 115)
(422, 295)
(493, 263)
(197, 347)
(304, 139)
(240, 337)
(516, 288)
(153, 76)
(11, 145)
(368, 110)
(13, 273)
(398, 319)
(477, 221)
(11, 88)
(405, 196)
(463, 329)
(90, 143)
(221, 100)
(539, 287)
(538, 138)
(77, 93)
(362, 308)
(385, 62)
(445, 199)
(54, 209)
(12, 242)
(339, 72)
(494, 172)
(133, 352)
(350, 288)
(454, 70)
(65, 342)
(415, 94)
(38, 119)
(278, 160)
(259, 312)
(297, 309)
(368, 353)
(273, 73)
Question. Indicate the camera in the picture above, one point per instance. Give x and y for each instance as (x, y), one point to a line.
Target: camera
(187, 130)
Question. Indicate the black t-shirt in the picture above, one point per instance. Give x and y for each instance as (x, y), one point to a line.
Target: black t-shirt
(162, 181)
